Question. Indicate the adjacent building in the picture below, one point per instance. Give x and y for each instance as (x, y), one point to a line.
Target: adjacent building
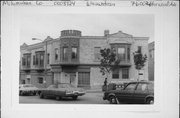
(151, 61)
(74, 58)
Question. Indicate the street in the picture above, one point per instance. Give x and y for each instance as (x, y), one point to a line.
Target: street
(88, 98)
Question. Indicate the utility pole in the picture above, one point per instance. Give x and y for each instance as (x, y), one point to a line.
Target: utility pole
(45, 64)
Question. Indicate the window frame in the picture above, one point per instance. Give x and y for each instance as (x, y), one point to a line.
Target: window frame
(124, 76)
(76, 53)
(40, 81)
(34, 59)
(139, 49)
(121, 56)
(56, 54)
(65, 55)
(28, 59)
(48, 58)
(115, 74)
(97, 55)
(41, 60)
(128, 53)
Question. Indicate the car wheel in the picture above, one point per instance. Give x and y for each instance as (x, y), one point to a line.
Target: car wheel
(41, 95)
(74, 97)
(150, 101)
(112, 100)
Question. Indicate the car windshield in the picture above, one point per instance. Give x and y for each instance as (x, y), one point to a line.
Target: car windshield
(130, 86)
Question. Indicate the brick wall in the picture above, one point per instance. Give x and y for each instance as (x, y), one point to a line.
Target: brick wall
(87, 49)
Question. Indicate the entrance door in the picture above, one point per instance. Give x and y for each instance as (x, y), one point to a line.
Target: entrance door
(72, 78)
(84, 79)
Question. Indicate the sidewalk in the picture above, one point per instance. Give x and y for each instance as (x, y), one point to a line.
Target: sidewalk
(94, 91)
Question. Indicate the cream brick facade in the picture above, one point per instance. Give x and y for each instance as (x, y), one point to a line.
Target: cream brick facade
(84, 70)
(87, 45)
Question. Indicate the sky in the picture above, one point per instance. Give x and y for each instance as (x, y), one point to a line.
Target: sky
(42, 25)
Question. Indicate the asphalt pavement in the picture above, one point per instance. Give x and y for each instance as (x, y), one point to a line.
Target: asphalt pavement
(88, 98)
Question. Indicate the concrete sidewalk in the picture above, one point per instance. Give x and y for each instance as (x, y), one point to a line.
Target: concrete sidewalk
(94, 91)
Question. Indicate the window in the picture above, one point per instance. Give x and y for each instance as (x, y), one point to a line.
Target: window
(23, 61)
(41, 60)
(139, 49)
(48, 56)
(37, 57)
(142, 87)
(97, 53)
(28, 61)
(23, 82)
(125, 73)
(121, 53)
(83, 79)
(28, 81)
(56, 54)
(130, 87)
(74, 53)
(115, 74)
(34, 60)
(40, 80)
(128, 53)
(65, 53)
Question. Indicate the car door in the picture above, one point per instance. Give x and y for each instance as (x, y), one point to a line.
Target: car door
(126, 94)
(50, 90)
(140, 92)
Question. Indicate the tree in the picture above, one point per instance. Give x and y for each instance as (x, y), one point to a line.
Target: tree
(109, 61)
(139, 60)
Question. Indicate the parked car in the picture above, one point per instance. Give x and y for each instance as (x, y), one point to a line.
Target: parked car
(27, 89)
(133, 92)
(113, 86)
(62, 90)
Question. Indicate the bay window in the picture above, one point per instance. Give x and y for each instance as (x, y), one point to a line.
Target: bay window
(121, 53)
(74, 53)
(65, 54)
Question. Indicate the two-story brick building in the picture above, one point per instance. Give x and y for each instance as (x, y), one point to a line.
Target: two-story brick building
(73, 58)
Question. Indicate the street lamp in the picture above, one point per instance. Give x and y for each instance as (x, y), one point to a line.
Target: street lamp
(45, 57)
